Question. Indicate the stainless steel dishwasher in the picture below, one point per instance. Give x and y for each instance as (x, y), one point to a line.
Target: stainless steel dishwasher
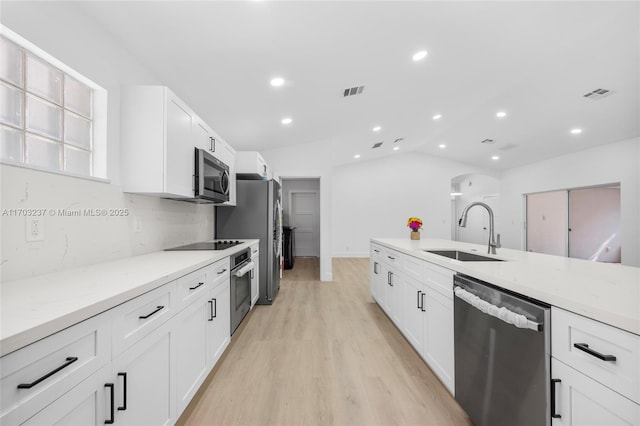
(502, 355)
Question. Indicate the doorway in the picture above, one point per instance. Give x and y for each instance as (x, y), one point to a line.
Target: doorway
(301, 212)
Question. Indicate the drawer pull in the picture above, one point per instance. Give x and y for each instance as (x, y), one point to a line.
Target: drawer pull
(124, 392)
(112, 411)
(391, 257)
(553, 399)
(199, 284)
(222, 272)
(158, 309)
(585, 348)
(422, 299)
(70, 360)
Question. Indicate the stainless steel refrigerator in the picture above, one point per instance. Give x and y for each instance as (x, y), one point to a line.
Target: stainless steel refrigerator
(257, 214)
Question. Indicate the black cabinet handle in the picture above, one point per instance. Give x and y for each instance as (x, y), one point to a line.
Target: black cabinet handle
(584, 347)
(199, 284)
(377, 251)
(213, 309)
(124, 391)
(390, 278)
(418, 302)
(70, 360)
(110, 420)
(222, 272)
(158, 309)
(422, 308)
(392, 258)
(553, 399)
(375, 268)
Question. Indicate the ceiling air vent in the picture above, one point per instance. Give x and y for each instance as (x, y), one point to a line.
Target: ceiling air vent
(351, 91)
(488, 141)
(597, 94)
(398, 140)
(376, 145)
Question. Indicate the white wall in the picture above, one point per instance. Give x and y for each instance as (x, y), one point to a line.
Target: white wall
(375, 198)
(611, 163)
(68, 35)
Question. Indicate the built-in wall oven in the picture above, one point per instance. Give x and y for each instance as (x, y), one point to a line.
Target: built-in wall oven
(502, 355)
(241, 270)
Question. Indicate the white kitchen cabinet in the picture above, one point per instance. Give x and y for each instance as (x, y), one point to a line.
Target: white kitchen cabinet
(579, 400)
(251, 165)
(439, 338)
(218, 321)
(227, 155)
(37, 375)
(413, 324)
(87, 404)
(255, 274)
(144, 379)
(157, 142)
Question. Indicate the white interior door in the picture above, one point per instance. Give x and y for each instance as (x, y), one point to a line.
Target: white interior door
(547, 222)
(304, 217)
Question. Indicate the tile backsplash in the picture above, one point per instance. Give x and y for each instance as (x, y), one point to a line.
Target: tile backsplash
(83, 222)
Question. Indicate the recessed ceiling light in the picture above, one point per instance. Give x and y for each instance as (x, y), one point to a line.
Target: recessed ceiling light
(442, 146)
(420, 55)
(356, 156)
(437, 116)
(495, 157)
(286, 120)
(576, 131)
(501, 114)
(376, 129)
(278, 81)
(395, 148)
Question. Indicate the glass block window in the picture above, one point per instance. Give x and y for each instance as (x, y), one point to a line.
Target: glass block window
(47, 113)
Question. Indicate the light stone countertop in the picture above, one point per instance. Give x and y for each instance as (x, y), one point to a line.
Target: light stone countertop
(609, 293)
(37, 307)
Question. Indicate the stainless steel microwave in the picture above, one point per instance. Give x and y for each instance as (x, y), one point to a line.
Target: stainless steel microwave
(211, 179)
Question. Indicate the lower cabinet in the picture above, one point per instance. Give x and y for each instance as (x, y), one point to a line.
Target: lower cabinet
(420, 302)
(87, 404)
(143, 376)
(580, 400)
(218, 322)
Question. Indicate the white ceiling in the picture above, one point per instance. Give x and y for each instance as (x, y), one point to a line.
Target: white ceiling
(534, 60)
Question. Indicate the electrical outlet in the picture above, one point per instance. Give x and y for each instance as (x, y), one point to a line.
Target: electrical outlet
(35, 229)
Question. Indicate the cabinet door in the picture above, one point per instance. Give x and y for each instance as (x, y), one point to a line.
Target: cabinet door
(179, 160)
(191, 351)
(378, 282)
(393, 295)
(148, 382)
(86, 404)
(255, 280)
(438, 337)
(413, 299)
(218, 322)
(580, 400)
(203, 139)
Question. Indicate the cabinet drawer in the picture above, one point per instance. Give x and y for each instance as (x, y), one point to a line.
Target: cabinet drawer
(140, 316)
(392, 258)
(190, 287)
(439, 279)
(414, 267)
(376, 252)
(38, 374)
(219, 272)
(581, 342)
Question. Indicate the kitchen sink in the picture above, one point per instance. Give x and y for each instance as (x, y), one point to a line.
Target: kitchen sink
(463, 256)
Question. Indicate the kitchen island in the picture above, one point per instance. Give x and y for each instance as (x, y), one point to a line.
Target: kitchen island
(609, 293)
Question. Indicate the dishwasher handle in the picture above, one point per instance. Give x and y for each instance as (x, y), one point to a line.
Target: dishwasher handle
(503, 314)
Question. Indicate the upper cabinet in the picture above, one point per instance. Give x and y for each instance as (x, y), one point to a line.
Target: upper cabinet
(251, 165)
(159, 135)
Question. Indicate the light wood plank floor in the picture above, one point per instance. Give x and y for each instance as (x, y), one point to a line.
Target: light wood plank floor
(323, 354)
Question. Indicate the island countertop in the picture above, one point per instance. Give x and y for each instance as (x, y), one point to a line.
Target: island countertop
(36, 307)
(609, 293)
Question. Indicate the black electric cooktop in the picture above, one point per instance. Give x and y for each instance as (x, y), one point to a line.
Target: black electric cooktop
(207, 245)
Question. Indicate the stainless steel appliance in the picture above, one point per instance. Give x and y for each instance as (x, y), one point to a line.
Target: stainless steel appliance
(241, 267)
(258, 214)
(502, 355)
(211, 178)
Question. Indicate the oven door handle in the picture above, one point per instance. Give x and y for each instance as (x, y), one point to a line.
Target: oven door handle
(246, 268)
(502, 313)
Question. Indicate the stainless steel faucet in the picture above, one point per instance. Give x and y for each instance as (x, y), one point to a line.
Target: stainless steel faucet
(493, 244)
